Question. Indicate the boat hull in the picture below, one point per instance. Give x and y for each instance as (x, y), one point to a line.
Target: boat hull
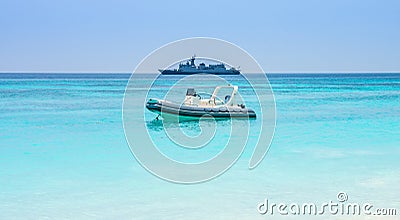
(164, 107)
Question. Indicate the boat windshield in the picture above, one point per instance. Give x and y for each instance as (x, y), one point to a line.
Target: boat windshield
(224, 94)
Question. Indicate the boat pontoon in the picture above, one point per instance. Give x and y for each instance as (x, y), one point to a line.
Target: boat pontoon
(195, 105)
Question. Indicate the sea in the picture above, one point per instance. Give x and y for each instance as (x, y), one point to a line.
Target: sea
(64, 153)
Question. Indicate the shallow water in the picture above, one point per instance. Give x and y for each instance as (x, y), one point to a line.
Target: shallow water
(63, 152)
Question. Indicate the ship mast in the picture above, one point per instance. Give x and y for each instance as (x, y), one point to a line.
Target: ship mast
(192, 60)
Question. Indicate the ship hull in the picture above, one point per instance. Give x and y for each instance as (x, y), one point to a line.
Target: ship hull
(175, 72)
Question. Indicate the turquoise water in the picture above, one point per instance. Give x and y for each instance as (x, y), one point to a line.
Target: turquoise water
(63, 153)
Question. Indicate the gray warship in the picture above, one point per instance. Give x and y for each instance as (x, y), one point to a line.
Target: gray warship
(190, 68)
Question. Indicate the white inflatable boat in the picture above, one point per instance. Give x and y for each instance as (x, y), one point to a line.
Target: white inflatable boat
(196, 106)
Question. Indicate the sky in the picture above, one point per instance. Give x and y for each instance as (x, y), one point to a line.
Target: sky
(283, 36)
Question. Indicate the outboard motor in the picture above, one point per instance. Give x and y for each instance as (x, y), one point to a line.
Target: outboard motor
(191, 92)
(190, 98)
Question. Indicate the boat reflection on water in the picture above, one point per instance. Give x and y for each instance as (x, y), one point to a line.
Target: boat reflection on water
(187, 123)
(191, 123)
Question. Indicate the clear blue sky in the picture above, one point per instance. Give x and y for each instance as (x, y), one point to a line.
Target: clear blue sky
(284, 36)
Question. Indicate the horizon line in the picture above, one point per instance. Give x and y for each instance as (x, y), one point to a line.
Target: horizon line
(275, 72)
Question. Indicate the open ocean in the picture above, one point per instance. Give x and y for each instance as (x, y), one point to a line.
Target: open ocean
(63, 153)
